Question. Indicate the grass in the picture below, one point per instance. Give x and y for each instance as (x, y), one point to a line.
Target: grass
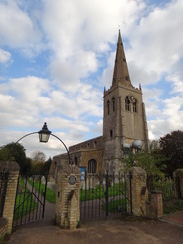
(1, 239)
(90, 194)
(50, 195)
(116, 206)
(24, 202)
(99, 192)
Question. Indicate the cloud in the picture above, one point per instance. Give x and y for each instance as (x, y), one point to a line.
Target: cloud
(4, 56)
(99, 127)
(37, 102)
(156, 41)
(177, 82)
(65, 86)
(79, 34)
(17, 29)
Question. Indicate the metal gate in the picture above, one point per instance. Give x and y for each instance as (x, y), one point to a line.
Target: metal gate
(104, 195)
(3, 186)
(30, 199)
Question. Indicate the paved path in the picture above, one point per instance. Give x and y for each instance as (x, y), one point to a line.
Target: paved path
(120, 230)
(175, 218)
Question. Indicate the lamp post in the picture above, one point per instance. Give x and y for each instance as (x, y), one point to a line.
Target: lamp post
(44, 135)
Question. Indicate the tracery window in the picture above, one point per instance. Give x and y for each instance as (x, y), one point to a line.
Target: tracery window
(108, 107)
(135, 106)
(92, 166)
(75, 160)
(113, 104)
(127, 104)
(111, 134)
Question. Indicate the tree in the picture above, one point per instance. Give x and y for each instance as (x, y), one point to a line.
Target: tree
(46, 166)
(16, 152)
(4, 151)
(38, 156)
(172, 148)
(151, 162)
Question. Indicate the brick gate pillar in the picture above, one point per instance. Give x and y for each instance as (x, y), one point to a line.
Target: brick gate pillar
(13, 169)
(67, 209)
(138, 192)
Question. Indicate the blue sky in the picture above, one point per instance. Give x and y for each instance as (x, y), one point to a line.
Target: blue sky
(57, 56)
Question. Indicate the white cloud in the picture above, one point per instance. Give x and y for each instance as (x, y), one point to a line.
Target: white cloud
(157, 41)
(17, 29)
(78, 33)
(79, 39)
(4, 56)
(99, 127)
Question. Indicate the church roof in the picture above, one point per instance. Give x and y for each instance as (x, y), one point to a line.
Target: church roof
(121, 74)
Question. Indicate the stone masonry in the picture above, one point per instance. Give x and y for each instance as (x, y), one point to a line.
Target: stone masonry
(67, 211)
(144, 203)
(9, 204)
(139, 192)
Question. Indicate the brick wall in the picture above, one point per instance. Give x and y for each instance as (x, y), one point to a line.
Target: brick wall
(139, 191)
(67, 211)
(3, 226)
(144, 203)
(9, 204)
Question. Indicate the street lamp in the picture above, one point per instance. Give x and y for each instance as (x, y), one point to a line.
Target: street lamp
(44, 135)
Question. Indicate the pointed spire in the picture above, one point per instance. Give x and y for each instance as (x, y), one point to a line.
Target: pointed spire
(120, 74)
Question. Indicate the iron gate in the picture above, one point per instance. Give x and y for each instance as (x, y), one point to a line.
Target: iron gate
(104, 195)
(30, 199)
(3, 186)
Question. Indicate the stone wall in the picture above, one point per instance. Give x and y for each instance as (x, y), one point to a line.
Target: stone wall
(144, 203)
(155, 205)
(9, 203)
(3, 226)
(139, 192)
(67, 210)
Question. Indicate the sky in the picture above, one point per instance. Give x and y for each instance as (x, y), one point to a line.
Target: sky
(57, 56)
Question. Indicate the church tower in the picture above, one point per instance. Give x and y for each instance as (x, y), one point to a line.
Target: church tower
(124, 119)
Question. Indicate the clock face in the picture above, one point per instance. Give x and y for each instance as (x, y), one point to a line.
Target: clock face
(132, 99)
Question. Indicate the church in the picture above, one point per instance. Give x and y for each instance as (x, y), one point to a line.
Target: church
(124, 122)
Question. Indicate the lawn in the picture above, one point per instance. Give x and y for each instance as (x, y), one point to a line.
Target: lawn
(50, 195)
(24, 202)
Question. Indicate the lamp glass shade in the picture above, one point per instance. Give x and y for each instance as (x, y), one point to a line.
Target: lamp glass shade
(44, 134)
(44, 137)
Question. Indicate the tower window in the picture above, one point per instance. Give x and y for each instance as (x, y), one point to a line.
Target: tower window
(92, 166)
(108, 107)
(135, 106)
(111, 134)
(113, 104)
(127, 104)
(75, 160)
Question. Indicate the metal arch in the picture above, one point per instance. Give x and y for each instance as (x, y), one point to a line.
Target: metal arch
(64, 146)
(37, 133)
(20, 140)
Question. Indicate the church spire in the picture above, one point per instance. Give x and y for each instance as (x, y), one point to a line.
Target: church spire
(120, 74)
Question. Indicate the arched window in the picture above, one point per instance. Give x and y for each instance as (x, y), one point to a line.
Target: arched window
(113, 104)
(76, 161)
(108, 107)
(127, 104)
(92, 166)
(135, 106)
